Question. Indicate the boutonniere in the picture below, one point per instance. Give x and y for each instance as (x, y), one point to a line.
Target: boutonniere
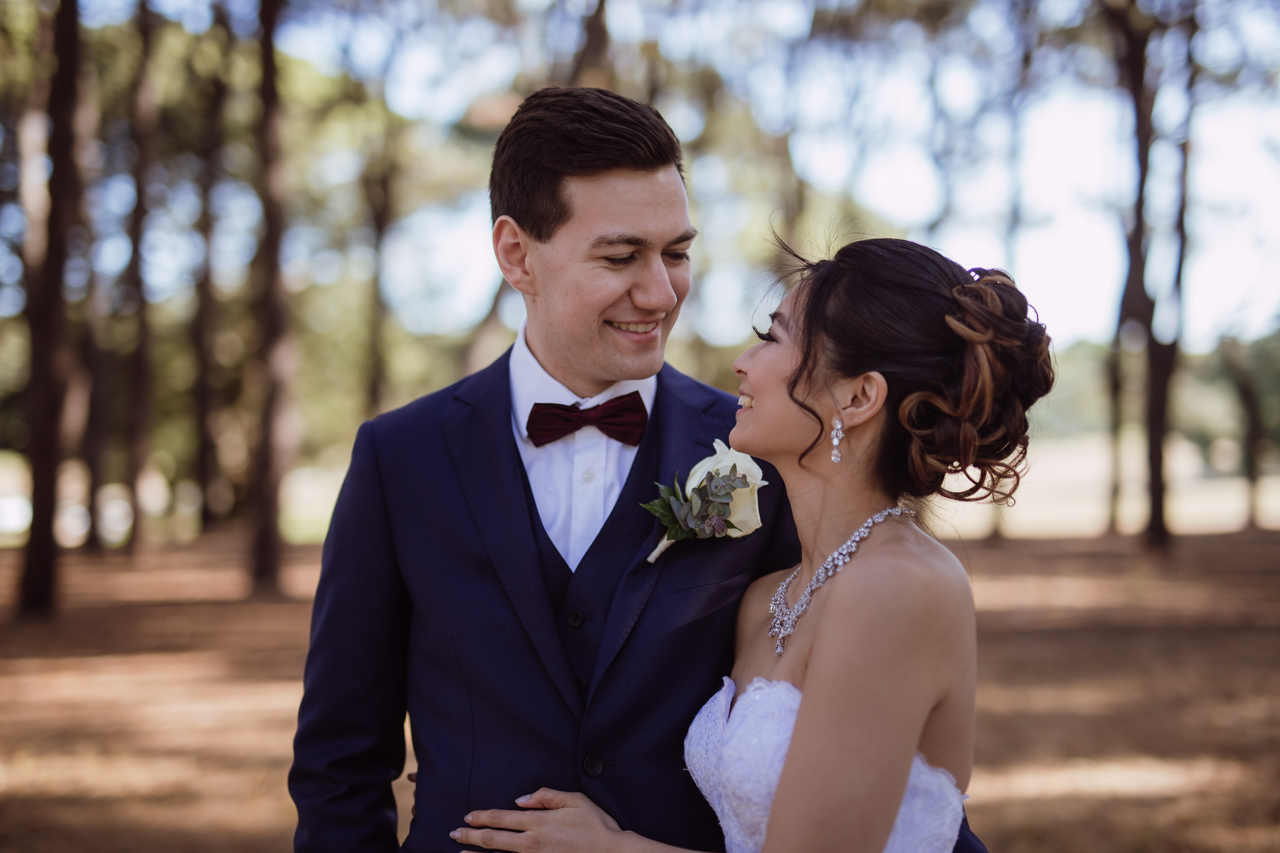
(719, 499)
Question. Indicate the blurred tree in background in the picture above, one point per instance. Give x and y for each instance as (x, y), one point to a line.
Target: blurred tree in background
(232, 230)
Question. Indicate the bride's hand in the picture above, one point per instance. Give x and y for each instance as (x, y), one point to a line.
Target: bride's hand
(553, 821)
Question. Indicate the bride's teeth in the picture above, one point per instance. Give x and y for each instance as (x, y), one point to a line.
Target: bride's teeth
(642, 328)
(746, 402)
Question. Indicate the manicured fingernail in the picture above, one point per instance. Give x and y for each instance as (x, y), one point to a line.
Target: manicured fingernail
(467, 818)
(524, 799)
(456, 834)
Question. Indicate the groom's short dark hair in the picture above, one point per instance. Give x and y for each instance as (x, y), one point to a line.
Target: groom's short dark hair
(560, 133)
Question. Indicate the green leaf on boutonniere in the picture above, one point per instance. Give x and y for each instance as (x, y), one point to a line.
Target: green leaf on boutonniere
(672, 510)
(662, 510)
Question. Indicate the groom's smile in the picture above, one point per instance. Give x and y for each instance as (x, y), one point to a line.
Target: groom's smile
(634, 328)
(604, 291)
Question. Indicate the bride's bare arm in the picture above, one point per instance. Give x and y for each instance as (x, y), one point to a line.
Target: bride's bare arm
(889, 649)
(552, 821)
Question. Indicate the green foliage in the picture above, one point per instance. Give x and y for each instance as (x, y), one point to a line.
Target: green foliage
(1078, 402)
(19, 32)
(1261, 359)
(672, 510)
(1206, 401)
(15, 349)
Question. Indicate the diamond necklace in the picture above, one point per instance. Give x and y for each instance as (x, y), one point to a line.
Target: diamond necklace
(784, 617)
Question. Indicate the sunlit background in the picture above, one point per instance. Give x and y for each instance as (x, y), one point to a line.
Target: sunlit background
(253, 265)
(998, 132)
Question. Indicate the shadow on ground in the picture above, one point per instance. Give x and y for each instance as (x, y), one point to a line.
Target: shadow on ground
(1126, 703)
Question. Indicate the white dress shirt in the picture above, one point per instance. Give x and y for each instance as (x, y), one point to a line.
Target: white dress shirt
(576, 480)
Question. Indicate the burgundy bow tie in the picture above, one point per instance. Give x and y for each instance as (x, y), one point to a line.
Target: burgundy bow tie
(622, 419)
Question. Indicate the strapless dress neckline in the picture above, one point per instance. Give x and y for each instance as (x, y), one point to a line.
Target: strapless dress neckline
(735, 751)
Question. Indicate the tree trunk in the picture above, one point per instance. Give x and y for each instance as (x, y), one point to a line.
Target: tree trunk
(1115, 400)
(1162, 359)
(1162, 356)
(1024, 28)
(46, 317)
(591, 66)
(377, 192)
(1246, 387)
(100, 364)
(274, 353)
(205, 320)
(1132, 30)
(98, 361)
(146, 117)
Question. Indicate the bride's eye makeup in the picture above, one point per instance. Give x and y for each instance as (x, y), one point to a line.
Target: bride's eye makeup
(764, 336)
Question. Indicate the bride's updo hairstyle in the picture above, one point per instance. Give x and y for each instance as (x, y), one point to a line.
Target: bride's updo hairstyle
(962, 360)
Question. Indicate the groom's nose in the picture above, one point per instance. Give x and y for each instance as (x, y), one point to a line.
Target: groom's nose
(653, 289)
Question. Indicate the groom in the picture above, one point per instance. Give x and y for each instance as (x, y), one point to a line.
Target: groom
(485, 568)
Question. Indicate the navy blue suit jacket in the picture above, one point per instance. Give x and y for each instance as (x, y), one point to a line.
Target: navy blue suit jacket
(431, 600)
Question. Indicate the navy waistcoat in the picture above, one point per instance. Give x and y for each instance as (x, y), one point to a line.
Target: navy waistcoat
(581, 599)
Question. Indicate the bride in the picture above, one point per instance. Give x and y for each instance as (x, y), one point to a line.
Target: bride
(848, 721)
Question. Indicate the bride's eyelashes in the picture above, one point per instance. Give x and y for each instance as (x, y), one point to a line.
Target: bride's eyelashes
(764, 336)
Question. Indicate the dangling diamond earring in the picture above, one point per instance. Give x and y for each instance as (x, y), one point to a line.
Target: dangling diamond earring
(837, 436)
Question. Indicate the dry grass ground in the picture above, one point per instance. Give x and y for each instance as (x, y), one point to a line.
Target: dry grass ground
(1126, 704)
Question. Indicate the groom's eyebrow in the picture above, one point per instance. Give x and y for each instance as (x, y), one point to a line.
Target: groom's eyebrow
(625, 239)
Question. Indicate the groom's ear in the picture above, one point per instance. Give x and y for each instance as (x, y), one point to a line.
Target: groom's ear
(511, 247)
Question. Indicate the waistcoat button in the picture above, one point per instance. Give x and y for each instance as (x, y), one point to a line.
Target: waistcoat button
(575, 619)
(593, 765)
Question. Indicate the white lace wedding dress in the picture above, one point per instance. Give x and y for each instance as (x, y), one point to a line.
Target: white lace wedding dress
(735, 753)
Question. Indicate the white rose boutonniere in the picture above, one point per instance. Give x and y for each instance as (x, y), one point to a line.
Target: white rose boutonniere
(719, 499)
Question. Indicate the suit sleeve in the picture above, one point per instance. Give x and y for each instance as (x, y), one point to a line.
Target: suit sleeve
(350, 741)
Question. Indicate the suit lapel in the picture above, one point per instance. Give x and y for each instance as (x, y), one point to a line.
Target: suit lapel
(685, 433)
(488, 464)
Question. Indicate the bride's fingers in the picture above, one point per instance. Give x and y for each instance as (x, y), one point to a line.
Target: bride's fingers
(491, 839)
(549, 798)
(504, 819)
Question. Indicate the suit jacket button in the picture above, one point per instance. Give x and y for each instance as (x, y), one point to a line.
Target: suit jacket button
(582, 684)
(575, 619)
(594, 765)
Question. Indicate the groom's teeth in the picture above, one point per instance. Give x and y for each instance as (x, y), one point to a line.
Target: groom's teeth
(642, 328)
(746, 402)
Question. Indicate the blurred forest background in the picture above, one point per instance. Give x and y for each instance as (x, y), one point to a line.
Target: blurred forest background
(231, 230)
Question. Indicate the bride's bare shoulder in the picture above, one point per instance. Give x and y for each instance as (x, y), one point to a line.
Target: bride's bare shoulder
(907, 576)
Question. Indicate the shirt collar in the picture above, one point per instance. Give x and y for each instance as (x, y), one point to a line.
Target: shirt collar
(530, 383)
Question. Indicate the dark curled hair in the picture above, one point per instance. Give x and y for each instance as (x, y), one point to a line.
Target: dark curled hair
(559, 133)
(962, 360)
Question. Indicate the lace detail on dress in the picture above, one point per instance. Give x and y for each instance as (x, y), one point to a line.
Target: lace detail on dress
(735, 753)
